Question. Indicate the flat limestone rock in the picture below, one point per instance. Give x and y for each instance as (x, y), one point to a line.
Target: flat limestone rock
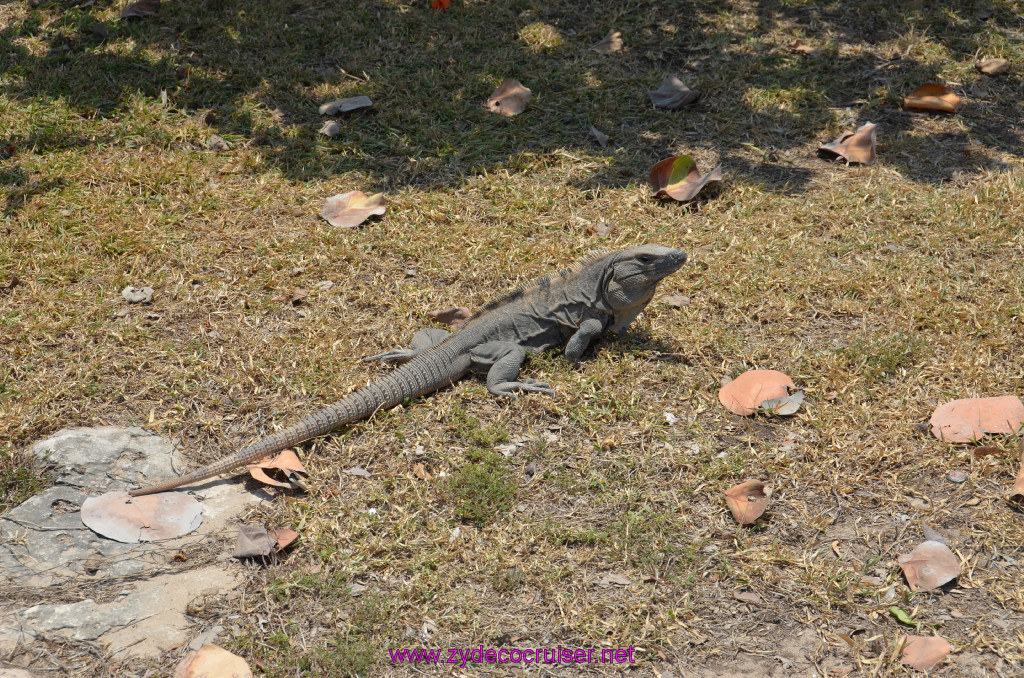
(46, 551)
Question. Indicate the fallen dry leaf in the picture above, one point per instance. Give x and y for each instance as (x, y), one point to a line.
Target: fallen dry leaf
(785, 406)
(348, 210)
(747, 501)
(929, 566)
(165, 515)
(677, 300)
(280, 470)
(612, 579)
(212, 661)
(932, 97)
(420, 471)
(284, 537)
(747, 597)
(253, 541)
(217, 143)
(1017, 491)
(747, 392)
(673, 94)
(358, 472)
(678, 178)
(140, 9)
(856, 146)
(611, 43)
(801, 47)
(330, 128)
(440, 4)
(924, 652)
(986, 450)
(993, 66)
(599, 136)
(456, 316)
(510, 98)
(969, 419)
(345, 105)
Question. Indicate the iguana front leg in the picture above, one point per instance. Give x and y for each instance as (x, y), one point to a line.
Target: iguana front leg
(579, 342)
(421, 341)
(502, 361)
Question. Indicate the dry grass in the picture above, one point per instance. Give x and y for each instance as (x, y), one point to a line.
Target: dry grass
(883, 290)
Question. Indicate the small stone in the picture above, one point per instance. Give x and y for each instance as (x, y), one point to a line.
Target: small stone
(956, 477)
(137, 295)
(531, 469)
(217, 143)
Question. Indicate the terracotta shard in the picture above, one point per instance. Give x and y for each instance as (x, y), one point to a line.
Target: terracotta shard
(993, 66)
(510, 98)
(858, 147)
(673, 94)
(929, 566)
(148, 518)
(212, 661)
(348, 210)
(678, 178)
(932, 97)
(747, 501)
(924, 652)
(970, 419)
(747, 392)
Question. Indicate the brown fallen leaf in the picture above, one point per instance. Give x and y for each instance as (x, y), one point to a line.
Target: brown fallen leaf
(611, 43)
(420, 471)
(165, 515)
(856, 146)
(212, 661)
(140, 9)
(747, 597)
(283, 537)
(993, 67)
(599, 136)
(510, 98)
(747, 392)
(929, 566)
(456, 316)
(253, 541)
(932, 97)
(330, 128)
(358, 472)
(281, 471)
(747, 501)
(970, 419)
(673, 94)
(217, 143)
(801, 47)
(986, 451)
(612, 579)
(677, 300)
(1017, 491)
(924, 652)
(348, 210)
(345, 105)
(678, 178)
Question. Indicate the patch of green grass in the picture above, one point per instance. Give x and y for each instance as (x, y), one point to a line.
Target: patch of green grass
(21, 477)
(482, 489)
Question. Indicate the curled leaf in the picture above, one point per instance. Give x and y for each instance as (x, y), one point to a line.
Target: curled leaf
(673, 94)
(678, 178)
(440, 4)
(330, 128)
(924, 652)
(932, 97)
(420, 471)
(784, 406)
(746, 393)
(611, 43)
(747, 501)
(284, 470)
(140, 9)
(599, 136)
(456, 316)
(993, 66)
(345, 105)
(510, 98)
(212, 661)
(283, 537)
(902, 617)
(348, 210)
(856, 146)
(969, 419)
(253, 541)
(165, 515)
(929, 566)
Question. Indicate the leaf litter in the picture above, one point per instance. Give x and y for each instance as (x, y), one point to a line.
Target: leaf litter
(924, 652)
(610, 43)
(933, 98)
(678, 178)
(510, 98)
(284, 470)
(929, 566)
(673, 94)
(348, 210)
(747, 501)
(345, 105)
(993, 67)
(255, 541)
(858, 147)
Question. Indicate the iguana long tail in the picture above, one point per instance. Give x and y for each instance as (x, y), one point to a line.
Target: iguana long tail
(425, 374)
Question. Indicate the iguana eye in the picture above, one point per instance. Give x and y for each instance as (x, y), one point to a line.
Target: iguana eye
(646, 259)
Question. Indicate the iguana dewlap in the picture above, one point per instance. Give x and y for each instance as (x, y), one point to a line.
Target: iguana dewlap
(604, 292)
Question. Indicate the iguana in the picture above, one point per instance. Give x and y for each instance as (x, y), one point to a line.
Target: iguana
(602, 292)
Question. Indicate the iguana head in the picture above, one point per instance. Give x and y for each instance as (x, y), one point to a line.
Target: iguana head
(632, 276)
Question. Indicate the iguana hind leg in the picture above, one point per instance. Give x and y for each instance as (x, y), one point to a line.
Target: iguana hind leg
(502, 360)
(421, 341)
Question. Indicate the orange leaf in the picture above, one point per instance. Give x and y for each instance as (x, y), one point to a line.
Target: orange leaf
(993, 66)
(678, 178)
(420, 471)
(440, 4)
(748, 391)
(212, 661)
(284, 537)
(924, 652)
(510, 98)
(929, 566)
(932, 97)
(747, 501)
(348, 210)
(858, 147)
(282, 466)
(969, 419)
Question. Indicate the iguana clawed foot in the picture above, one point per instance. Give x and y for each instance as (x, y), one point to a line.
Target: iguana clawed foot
(507, 389)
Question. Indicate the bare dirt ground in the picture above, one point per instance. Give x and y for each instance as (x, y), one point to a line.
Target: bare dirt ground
(883, 290)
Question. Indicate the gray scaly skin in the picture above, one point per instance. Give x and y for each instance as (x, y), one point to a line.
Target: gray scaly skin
(602, 293)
